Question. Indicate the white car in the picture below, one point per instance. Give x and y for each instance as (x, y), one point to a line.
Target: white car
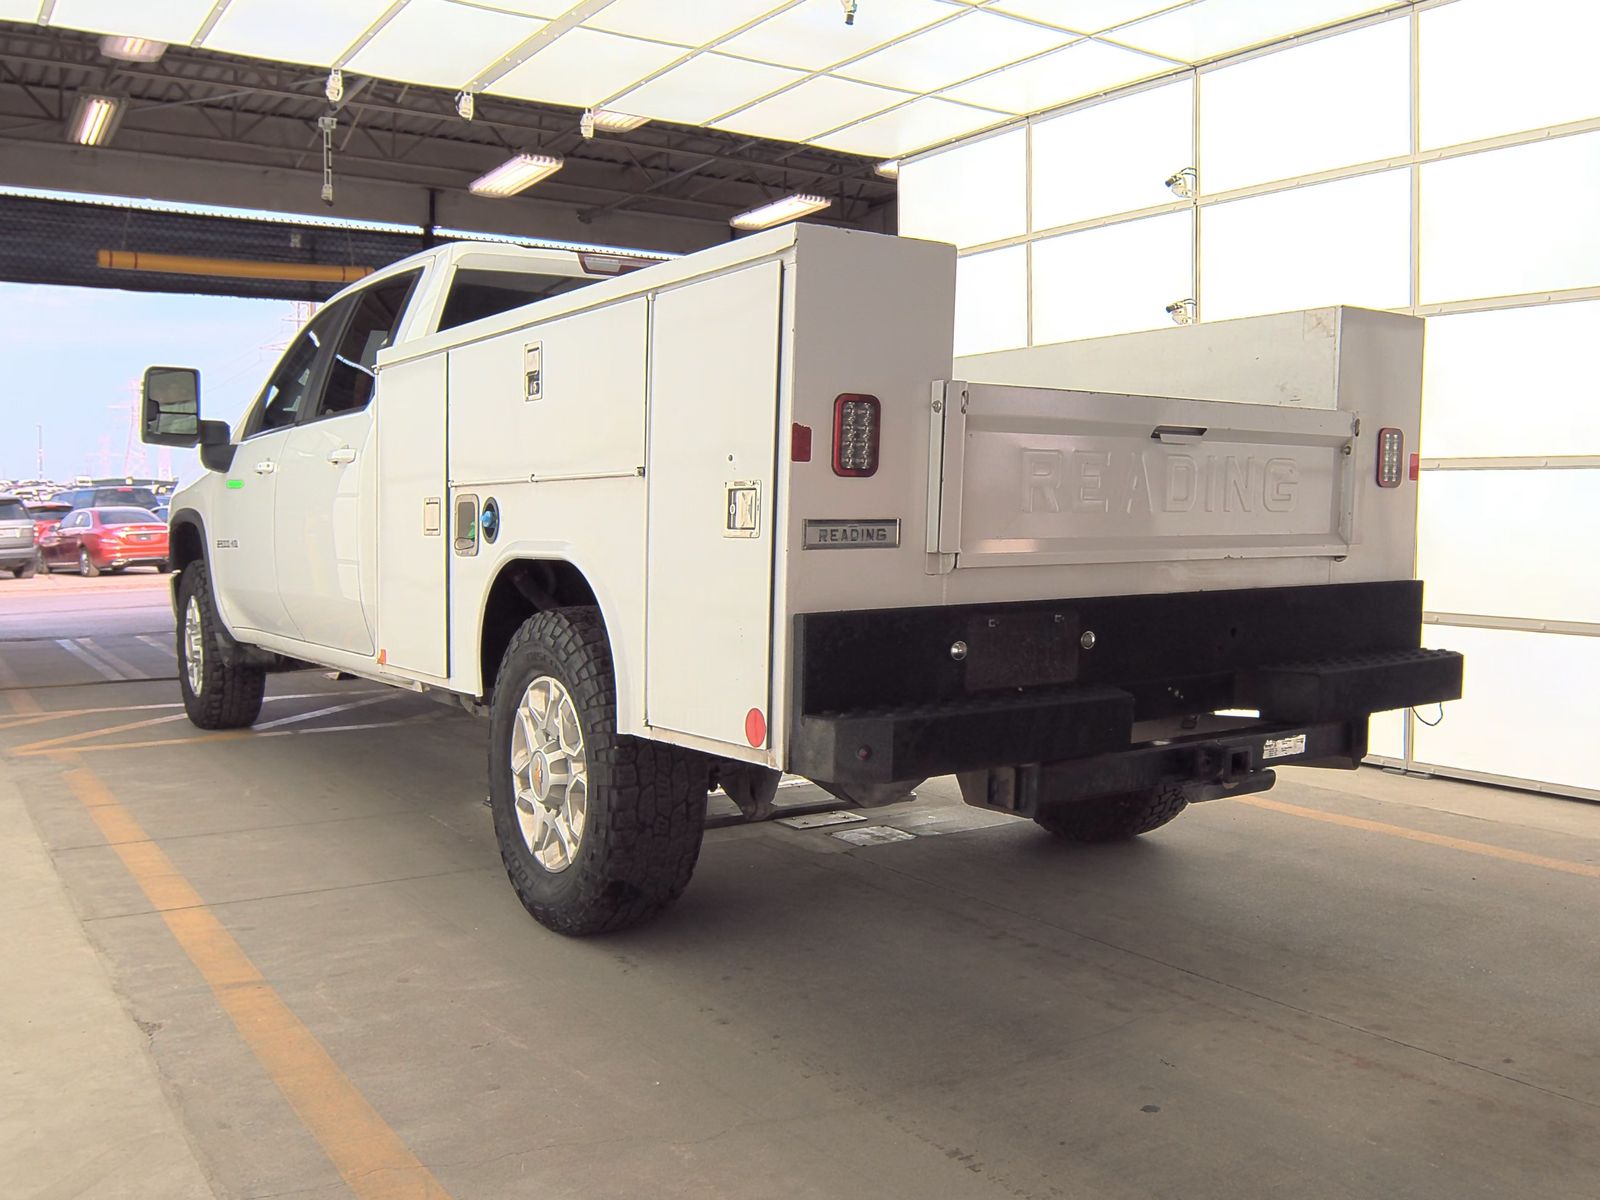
(740, 513)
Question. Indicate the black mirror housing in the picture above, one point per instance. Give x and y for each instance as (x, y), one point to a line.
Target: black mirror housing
(171, 407)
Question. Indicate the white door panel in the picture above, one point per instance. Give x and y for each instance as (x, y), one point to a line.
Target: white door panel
(712, 423)
(318, 531)
(244, 571)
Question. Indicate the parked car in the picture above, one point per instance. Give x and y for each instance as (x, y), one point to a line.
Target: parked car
(46, 514)
(17, 553)
(104, 495)
(106, 539)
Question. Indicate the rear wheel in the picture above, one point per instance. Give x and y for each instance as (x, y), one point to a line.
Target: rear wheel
(1115, 818)
(41, 563)
(216, 694)
(25, 571)
(86, 565)
(597, 831)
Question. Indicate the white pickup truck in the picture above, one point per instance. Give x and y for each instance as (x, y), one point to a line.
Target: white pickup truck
(741, 513)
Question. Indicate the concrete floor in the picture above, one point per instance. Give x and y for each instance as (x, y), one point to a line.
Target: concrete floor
(1368, 986)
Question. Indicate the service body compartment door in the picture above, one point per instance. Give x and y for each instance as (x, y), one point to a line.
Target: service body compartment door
(714, 348)
(1036, 476)
(413, 523)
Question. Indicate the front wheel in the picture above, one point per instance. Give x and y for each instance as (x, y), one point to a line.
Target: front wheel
(86, 566)
(597, 831)
(216, 694)
(1115, 818)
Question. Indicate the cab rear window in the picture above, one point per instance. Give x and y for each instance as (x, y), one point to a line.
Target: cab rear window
(128, 516)
(475, 294)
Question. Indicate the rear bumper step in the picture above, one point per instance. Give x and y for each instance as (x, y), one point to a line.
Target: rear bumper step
(1087, 730)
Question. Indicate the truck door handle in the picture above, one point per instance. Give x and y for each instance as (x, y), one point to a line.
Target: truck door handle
(344, 454)
(266, 467)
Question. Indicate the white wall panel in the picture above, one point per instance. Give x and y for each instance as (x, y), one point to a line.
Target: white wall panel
(1527, 708)
(1506, 222)
(1113, 279)
(1294, 112)
(1490, 68)
(1386, 732)
(1335, 243)
(1514, 381)
(1112, 157)
(971, 194)
(1511, 543)
(992, 300)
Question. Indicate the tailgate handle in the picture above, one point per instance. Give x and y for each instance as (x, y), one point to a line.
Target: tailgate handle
(1177, 435)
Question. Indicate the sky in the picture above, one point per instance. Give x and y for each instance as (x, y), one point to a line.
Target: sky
(71, 354)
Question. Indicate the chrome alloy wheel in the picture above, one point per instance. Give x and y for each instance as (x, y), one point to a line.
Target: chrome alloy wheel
(194, 646)
(550, 774)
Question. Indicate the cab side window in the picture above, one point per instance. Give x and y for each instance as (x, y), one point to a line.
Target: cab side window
(290, 387)
(352, 375)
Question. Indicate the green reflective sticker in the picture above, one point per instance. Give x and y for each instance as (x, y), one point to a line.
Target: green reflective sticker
(235, 484)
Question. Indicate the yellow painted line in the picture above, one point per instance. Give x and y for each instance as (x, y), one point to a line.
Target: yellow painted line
(369, 1155)
(67, 738)
(1565, 865)
(54, 747)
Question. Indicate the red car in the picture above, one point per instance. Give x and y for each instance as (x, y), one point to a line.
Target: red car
(46, 514)
(105, 539)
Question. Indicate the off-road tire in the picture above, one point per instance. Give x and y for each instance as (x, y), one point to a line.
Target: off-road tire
(86, 566)
(230, 695)
(1115, 818)
(646, 801)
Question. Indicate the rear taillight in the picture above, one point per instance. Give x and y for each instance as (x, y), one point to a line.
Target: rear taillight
(1391, 457)
(856, 419)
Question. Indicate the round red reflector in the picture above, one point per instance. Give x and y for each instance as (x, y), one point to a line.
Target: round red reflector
(755, 727)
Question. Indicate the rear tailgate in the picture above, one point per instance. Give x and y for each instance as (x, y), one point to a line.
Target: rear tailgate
(1040, 476)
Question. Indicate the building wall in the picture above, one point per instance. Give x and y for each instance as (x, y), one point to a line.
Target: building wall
(1442, 161)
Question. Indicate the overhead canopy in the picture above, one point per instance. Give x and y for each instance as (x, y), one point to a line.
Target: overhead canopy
(907, 74)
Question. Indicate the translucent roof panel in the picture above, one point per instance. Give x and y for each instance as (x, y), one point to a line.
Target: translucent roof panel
(170, 21)
(1209, 28)
(813, 35)
(688, 22)
(915, 126)
(1084, 16)
(814, 107)
(441, 43)
(584, 67)
(296, 31)
(1081, 69)
(955, 50)
(704, 88)
(18, 10)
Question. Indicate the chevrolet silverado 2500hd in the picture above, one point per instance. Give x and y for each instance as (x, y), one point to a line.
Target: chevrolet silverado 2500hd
(741, 513)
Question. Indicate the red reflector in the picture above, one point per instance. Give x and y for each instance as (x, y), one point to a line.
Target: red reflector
(1416, 465)
(855, 434)
(799, 443)
(755, 727)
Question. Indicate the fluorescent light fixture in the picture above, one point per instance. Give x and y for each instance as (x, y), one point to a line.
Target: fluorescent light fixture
(790, 208)
(889, 168)
(617, 122)
(94, 119)
(132, 49)
(511, 176)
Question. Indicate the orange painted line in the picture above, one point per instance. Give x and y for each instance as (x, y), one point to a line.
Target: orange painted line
(67, 738)
(370, 1156)
(1564, 865)
(52, 748)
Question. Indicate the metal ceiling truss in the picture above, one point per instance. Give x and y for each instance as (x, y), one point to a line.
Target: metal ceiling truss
(195, 104)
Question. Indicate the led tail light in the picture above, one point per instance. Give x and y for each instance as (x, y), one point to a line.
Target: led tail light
(1391, 457)
(856, 419)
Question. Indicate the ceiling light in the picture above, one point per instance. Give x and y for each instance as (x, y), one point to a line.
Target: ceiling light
(790, 208)
(511, 176)
(889, 168)
(334, 88)
(466, 106)
(94, 119)
(132, 49)
(617, 122)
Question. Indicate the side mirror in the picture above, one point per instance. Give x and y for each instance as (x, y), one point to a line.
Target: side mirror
(172, 406)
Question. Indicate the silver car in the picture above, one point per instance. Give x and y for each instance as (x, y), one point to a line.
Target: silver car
(17, 553)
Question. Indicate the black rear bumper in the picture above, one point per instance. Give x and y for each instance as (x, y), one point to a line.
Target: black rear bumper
(883, 699)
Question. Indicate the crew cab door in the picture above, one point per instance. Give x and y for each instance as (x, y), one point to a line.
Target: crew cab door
(325, 515)
(243, 553)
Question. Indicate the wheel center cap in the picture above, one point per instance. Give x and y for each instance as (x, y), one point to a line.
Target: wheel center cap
(539, 769)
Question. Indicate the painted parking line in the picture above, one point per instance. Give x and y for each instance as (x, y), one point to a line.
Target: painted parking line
(162, 644)
(61, 713)
(323, 712)
(110, 659)
(104, 669)
(34, 750)
(372, 1159)
(1564, 865)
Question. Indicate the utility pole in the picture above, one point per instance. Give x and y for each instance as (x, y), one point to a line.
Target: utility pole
(39, 466)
